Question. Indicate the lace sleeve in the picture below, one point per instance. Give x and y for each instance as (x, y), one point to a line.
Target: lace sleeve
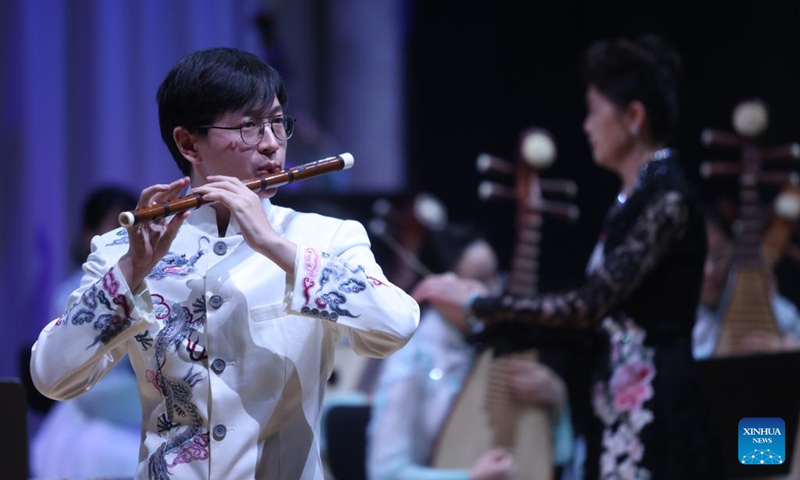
(663, 222)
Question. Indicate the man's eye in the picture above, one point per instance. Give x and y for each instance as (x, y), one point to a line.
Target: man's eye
(278, 120)
(249, 124)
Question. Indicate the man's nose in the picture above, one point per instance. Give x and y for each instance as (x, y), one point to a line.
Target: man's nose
(269, 142)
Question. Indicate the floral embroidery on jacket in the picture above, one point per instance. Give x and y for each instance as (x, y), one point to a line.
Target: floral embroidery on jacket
(197, 450)
(122, 238)
(175, 265)
(104, 307)
(335, 280)
(620, 401)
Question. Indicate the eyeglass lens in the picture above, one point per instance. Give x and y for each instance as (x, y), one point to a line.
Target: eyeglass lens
(282, 128)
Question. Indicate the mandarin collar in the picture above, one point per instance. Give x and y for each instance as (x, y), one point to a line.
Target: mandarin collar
(205, 220)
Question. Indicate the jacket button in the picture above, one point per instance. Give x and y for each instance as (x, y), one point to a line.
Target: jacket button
(218, 365)
(220, 248)
(215, 301)
(220, 431)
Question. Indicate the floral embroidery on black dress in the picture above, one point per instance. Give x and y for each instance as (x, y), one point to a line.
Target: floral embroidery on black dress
(620, 402)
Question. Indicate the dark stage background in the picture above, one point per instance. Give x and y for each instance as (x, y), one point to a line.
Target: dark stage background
(479, 73)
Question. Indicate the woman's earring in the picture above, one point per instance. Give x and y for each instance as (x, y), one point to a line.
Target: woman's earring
(634, 130)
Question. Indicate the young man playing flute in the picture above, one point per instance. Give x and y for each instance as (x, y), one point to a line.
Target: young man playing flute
(228, 313)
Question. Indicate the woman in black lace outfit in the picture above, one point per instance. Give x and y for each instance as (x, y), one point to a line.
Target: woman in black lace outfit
(638, 303)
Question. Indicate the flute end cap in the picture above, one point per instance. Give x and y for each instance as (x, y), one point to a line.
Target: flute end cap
(126, 219)
(348, 160)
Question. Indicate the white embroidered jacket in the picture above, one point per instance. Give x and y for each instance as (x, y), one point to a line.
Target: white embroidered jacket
(231, 354)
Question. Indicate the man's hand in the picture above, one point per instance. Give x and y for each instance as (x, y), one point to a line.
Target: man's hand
(245, 206)
(150, 241)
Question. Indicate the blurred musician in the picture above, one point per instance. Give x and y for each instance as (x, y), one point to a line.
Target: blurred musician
(418, 385)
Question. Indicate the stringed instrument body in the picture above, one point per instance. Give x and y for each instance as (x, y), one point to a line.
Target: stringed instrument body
(746, 308)
(747, 311)
(485, 414)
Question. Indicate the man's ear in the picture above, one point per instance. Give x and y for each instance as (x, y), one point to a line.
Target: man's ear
(185, 141)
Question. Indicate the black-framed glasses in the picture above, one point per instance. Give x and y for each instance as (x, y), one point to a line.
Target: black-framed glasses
(252, 131)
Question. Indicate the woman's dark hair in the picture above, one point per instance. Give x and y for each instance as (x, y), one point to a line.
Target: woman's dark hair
(647, 70)
(208, 83)
(441, 250)
(104, 200)
(97, 206)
